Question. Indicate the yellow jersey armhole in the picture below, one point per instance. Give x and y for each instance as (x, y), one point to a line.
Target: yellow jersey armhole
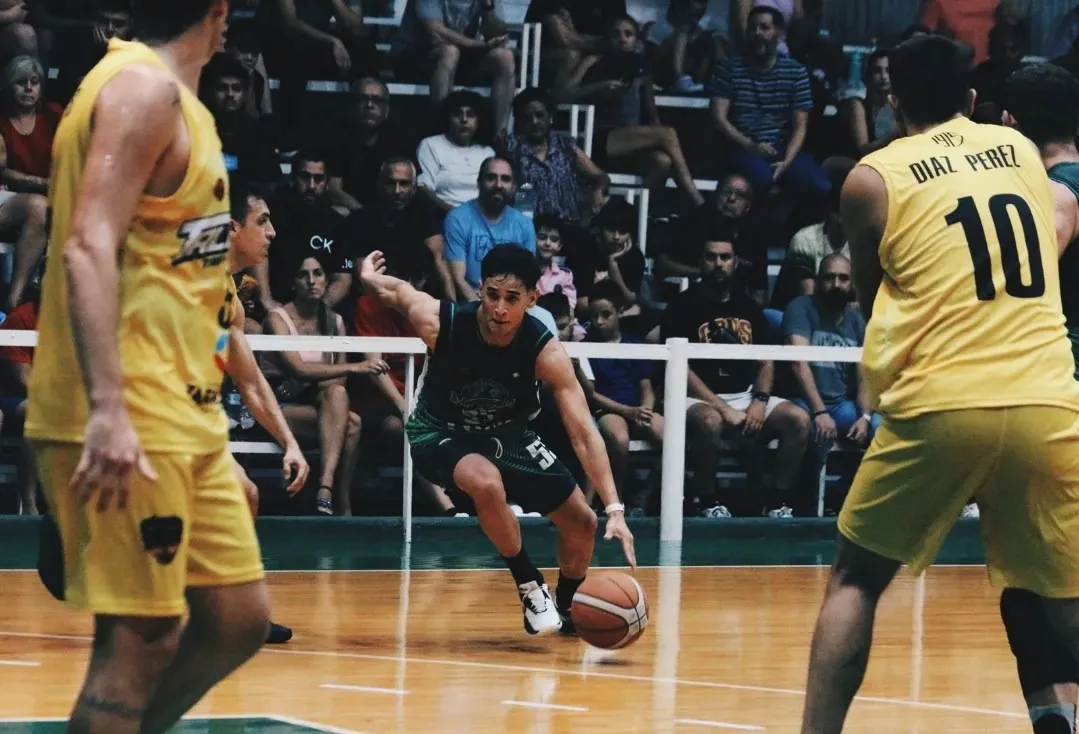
(886, 234)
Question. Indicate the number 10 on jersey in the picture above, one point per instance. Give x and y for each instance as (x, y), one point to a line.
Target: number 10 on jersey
(966, 214)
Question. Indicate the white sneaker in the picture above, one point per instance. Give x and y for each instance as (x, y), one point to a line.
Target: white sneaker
(517, 510)
(541, 616)
(719, 512)
(971, 510)
(782, 512)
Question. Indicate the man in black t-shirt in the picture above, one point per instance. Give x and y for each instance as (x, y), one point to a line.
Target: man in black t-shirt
(732, 398)
(306, 225)
(245, 142)
(406, 228)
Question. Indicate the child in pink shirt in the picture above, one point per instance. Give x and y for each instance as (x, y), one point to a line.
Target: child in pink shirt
(554, 278)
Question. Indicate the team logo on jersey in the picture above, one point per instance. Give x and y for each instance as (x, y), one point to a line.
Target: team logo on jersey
(161, 537)
(204, 239)
(481, 401)
(221, 352)
(219, 189)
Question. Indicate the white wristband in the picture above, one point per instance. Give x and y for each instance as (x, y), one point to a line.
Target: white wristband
(614, 507)
(867, 417)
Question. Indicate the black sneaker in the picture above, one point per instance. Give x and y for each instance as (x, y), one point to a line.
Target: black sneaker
(569, 629)
(279, 634)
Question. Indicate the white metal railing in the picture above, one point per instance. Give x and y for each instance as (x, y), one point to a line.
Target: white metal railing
(675, 352)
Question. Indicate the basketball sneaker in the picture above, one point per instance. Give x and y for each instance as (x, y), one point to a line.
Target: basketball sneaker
(541, 616)
(279, 634)
(569, 629)
(719, 512)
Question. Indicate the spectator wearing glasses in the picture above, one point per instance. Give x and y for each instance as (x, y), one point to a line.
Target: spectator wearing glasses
(307, 226)
(366, 142)
(450, 162)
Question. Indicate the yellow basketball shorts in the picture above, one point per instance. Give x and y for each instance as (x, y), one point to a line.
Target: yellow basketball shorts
(192, 527)
(1020, 463)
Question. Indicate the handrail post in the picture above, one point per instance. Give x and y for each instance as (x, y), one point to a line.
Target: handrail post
(674, 440)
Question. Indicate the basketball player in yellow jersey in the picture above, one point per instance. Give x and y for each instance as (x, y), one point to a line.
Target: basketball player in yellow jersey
(953, 243)
(124, 410)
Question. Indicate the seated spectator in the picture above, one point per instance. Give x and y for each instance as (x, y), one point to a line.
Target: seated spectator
(682, 52)
(311, 385)
(728, 210)
(450, 162)
(550, 162)
(475, 227)
(314, 39)
(555, 277)
(833, 393)
(1007, 47)
(969, 22)
(868, 119)
(382, 396)
(733, 399)
(306, 225)
(17, 36)
(625, 400)
(366, 142)
(449, 41)
(405, 227)
(628, 130)
(243, 44)
(247, 145)
(15, 363)
(77, 44)
(27, 124)
(613, 256)
(811, 245)
(571, 30)
(761, 103)
(789, 10)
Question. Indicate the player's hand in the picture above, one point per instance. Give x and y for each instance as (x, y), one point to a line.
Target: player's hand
(754, 421)
(778, 169)
(617, 528)
(859, 432)
(825, 429)
(373, 367)
(340, 55)
(296, 468)
(372, 265)
(110, 453)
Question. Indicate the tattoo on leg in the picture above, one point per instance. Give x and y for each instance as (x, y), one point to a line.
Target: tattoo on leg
(113, 708)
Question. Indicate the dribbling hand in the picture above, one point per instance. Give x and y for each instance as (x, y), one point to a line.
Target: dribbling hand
(110, 453)
(617, 528)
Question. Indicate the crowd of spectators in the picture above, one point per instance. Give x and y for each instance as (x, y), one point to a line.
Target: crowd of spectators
(436, 181)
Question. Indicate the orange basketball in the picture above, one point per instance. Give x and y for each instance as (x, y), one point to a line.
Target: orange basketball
(609, 610)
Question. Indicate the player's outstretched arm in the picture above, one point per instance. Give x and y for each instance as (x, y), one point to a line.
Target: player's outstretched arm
(864, 207)
(554, 367)
(260, 400)
(135, 119)
(420, 309)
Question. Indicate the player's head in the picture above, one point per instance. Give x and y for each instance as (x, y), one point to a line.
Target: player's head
(509, 275)
(930, 82)
(718, 261)
(250, 232)
(834, 284)
(549, 240)
(496, 182)
(165, 21)
(1042, 102)
(397, 183)
(605, 304)
(310, 176)
(557, 304)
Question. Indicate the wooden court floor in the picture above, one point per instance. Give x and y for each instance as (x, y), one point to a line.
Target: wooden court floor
(387, 652)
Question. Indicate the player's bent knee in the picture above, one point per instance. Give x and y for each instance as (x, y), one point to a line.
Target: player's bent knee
(146, 645)
(479, 479)
(1041, 659)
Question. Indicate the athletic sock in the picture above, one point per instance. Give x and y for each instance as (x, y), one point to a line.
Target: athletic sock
(1055, 719)
(563, 595)
(522, 568)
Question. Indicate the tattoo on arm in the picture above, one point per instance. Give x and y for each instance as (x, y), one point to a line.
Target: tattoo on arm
(113, 708)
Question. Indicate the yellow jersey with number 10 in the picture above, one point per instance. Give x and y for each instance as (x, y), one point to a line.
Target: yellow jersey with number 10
(173, 284)
(968, 314)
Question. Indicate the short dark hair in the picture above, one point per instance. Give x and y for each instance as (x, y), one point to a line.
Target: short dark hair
(244, 35)
(618, 215)
(777, 17)
(528, 96)
(488, 161)
(466, 98)
(512, 260)
(167, 20)
(241, 196)
(607, 290)
(719, 230)
(1044, 100)
(222, 65)
(930, 79)
(548, 221)
(310, 155)
(556, 303)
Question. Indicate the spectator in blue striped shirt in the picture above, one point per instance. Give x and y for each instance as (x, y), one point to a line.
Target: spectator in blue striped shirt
(761, 103)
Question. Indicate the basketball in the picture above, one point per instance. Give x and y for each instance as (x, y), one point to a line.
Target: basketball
(609, 610)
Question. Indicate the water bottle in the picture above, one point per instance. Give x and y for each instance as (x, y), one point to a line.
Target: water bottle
(526, 199)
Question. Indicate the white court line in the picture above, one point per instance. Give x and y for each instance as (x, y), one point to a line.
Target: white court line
(328, 728)
(719, 724)
(20, 663)
(585, 674)
(550, 706)
(363, 689)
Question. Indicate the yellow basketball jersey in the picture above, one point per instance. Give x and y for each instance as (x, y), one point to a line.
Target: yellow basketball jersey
(173, 285)
(969, 314)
